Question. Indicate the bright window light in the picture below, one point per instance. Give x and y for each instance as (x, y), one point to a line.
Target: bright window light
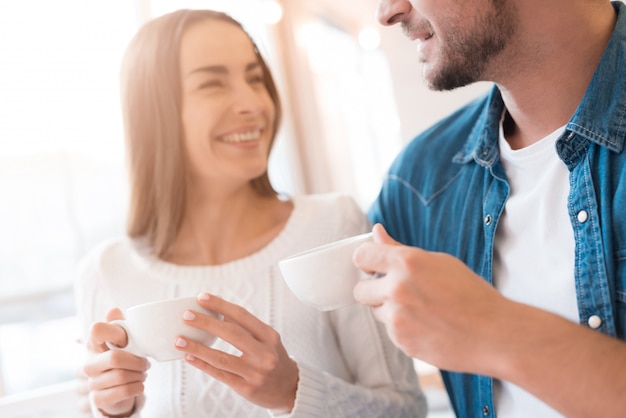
(61, 172)
(369, 38)
(272, 12)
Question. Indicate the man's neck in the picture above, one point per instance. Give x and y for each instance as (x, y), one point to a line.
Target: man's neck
(544, 94)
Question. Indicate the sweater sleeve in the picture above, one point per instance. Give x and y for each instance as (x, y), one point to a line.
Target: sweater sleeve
(383, 381)
(384, 384)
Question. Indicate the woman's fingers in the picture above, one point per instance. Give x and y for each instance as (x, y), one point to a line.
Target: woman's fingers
(268, 378)
(114, 313)
(238, 327)
(101, 332)
(117, 400)
(251, 349)
(234, 313)
(222, 366)
(263, 373)
(229, 330)
(115, 378)
(242, 366)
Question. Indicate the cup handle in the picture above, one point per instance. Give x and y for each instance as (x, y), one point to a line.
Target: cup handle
(130, 346)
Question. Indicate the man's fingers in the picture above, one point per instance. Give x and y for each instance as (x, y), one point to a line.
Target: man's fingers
(371, 257)
(370, 292)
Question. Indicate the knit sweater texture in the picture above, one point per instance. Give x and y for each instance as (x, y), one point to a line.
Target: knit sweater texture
(348, 367)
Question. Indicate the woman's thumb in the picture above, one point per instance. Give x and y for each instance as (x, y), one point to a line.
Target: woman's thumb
(114, 313)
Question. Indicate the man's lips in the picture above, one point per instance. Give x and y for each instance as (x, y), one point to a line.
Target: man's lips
(420, 36)
(415, 33)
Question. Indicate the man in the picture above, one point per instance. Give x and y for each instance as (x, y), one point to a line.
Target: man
(507, 266)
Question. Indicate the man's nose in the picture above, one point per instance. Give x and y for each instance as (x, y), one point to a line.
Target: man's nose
(390, 12)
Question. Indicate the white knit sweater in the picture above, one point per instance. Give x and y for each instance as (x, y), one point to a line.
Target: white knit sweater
(347, 365)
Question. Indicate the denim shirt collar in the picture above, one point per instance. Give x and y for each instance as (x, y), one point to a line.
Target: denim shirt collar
(605, 125)
(482, 143)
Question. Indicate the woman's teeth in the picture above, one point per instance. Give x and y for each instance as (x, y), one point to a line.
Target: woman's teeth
(242, 136)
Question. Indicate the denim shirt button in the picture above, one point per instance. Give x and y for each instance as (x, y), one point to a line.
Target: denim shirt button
(582, 216)
(486, 410)
(594, 321)
(488, 220)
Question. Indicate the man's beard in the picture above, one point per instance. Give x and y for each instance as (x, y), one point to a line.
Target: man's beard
(466, 57)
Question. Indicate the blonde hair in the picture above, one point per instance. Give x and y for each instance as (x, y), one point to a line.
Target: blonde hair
(151, 109)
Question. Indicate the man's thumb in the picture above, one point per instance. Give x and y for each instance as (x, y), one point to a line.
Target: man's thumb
(381, 235)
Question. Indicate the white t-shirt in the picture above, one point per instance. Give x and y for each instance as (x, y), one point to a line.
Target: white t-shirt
(534, 250)
(348, 367)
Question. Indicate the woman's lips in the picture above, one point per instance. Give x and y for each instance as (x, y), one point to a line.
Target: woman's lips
(240, 137)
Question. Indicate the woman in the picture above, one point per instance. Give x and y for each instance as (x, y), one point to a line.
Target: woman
(201, 112)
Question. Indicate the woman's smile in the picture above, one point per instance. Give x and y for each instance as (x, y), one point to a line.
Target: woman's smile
(242, 137)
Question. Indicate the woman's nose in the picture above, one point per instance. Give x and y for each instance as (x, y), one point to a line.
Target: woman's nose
(248, 100)
(390, 12)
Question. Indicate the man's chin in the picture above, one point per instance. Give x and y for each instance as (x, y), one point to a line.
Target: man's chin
(445, 81)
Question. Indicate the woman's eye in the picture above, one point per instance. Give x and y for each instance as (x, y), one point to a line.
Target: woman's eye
(256, 79)
(211, 84)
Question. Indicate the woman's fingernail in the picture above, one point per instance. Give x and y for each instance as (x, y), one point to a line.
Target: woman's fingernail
(203, 296)
(181, 343)
(189, 316)
(189, 357)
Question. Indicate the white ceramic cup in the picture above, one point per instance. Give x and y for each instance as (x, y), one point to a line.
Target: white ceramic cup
(153, 327)
(324, 277)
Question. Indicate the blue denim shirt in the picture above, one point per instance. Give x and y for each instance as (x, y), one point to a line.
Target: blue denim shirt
(447, 189)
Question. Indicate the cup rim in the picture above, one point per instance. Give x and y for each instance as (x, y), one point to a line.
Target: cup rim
(160, 301)
(328, 245)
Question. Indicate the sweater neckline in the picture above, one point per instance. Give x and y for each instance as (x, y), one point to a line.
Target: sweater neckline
(267, 256)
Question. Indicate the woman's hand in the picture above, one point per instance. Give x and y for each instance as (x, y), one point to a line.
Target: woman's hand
(263, 374)
(115, 377)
